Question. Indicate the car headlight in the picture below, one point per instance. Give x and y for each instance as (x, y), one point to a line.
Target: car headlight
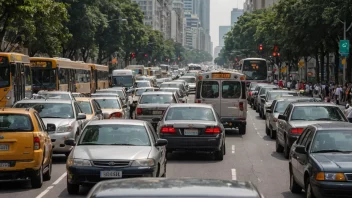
(64, 128)
(143, 162)
(322, 176)
(78, 162)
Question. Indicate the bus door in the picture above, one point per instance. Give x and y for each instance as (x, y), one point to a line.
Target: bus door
(231, 104)
(72, 81)
(210, 94)
(17, 82)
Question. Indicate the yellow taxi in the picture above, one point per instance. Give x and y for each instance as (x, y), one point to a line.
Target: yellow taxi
(91, 108)
(25, 147)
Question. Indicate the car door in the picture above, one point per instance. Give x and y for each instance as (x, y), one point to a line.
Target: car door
(45, 137)
(270, 116)
(210, 94)
(302, 159)
(293, 156)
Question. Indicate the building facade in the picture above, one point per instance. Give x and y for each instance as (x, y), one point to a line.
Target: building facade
(177, 21)
(223, 30)
(251, 5)
(235, 14)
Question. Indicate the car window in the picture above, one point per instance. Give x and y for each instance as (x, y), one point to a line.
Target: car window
(37, 118)
(189, 80)
(231, 89)
(108, 103)
(15, 123)
(311, 113)
(190, 113)
(85, 107)
(50, 110)
(210, 89)
(58, 96)
(306, 138)
(157, 98)
(78, 109)
(115, 134)
(332, 140)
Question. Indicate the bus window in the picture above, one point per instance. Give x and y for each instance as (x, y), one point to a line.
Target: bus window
(210, 89)
(231, 89)
(4, 72)
(63, 76)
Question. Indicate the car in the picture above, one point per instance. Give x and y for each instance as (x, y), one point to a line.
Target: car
(143, 83)
(174, 84)
(119, 91)
(109, 149)
(91, 108)
(261, 95)
(139, 91)
(256, 92)
(25, 147)
(298, 115)
(77, 95)
(192, 127)
(112, 107)
(277, 107)
(270, 96)
(321, 161)
(170, 187)
(153, 104)
(63, 95)
(191, 82)
(62, 118)
(184, 84)
(181, 97)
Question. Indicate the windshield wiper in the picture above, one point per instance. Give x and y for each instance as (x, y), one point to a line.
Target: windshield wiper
(331, 151)
(123, 144)
(323, 119)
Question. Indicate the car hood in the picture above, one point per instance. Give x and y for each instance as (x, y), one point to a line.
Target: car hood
(303, 123)
(58, 121)
(334, 162)
(111, 152)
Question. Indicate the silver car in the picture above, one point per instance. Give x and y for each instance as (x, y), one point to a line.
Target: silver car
(261, 94)
(191, 82)
(61, 95)
(181, 97)
(112, 107)
(143, 83)
(270, 96)
(63, 118)
(119, 91)
(114, 149)
(139, 91)
(192, 127)
(153, 104)
(174, 84)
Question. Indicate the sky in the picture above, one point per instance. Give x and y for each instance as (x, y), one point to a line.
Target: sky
(220, 14)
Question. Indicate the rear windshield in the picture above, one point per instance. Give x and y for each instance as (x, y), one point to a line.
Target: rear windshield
(190, 113)
(171, 85)
(231, 89)
(15, 123)
(85, 107)
(313, 113)
(140, 91)
(108, 103)
(160, 99)
(50, 110)
(275, 95)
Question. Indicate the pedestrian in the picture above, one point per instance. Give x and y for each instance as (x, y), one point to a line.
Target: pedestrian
(338, 92)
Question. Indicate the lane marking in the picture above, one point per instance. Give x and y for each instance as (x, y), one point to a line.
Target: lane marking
(233, 149)
(234, 174)
(42, 194)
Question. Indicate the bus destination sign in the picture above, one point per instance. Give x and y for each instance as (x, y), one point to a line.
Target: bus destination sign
(221, 75)
(41, 64)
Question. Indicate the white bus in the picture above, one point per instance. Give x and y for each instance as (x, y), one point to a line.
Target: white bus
(122, 78)
(255, 69)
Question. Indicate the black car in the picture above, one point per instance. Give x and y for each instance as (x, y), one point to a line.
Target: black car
(176, 188)
(321, 161)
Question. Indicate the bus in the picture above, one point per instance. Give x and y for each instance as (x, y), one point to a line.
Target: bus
(194, 67)
(15, 78)
(99, 76)
(123, 78)
(255, 69)
(139, 70)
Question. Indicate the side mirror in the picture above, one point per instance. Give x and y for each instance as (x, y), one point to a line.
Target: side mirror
(70, 142)
(268, 111)
(81, 116)
(300, 149)
(50, 127)
(282, 117)
(161, 142)
(156, 119)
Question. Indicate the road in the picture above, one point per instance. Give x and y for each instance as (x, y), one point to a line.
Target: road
(251, 157)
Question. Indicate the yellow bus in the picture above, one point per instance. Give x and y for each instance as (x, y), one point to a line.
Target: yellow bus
(100, 77)
(15, 78)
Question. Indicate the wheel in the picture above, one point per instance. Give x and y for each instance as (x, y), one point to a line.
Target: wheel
(37, 179)
(279, 148)
(272, 134)
(219, 155)
(309, 190)
(267, 130)
(242, 130)
(286, 150)
(294, 187)
(72, 189)
(47, 175)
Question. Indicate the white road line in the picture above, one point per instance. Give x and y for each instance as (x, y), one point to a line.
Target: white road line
(42, 194)
(234, 174)
(233, 149)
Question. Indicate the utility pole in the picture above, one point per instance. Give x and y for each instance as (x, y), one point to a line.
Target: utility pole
(345, 48)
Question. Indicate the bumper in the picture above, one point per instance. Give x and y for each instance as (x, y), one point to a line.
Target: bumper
(233, 122)
(58, 141)
(17, 175)
(91, 175)
(148, 118)
(326, 189)
(194, 143)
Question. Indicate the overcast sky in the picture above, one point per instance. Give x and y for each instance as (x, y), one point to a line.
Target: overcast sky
(220, 14)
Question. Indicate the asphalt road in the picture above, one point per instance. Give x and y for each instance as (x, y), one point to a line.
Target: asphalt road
(250, 157)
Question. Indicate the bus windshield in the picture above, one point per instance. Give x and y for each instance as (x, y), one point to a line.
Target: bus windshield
(44, 78)
(122, 81)
(255, 69)
(4, 72)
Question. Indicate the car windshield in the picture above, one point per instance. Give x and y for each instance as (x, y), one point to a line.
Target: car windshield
(50, 110)
(332, 141)
(58, 96)
(310, 113)
(15, 123)
(169, 90)
(108, 103)
(190, 113)
(190, 74)
(189, 80)
(172, 85)
(274, 95)
(85, 107)
(157, 98)
(115, 134)
(143, 84)
(281, 106)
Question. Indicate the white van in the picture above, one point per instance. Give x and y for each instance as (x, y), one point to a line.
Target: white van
(226, 91)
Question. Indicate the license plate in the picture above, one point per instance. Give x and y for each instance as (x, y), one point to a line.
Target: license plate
(110, 174)
(157, 112)
(4, 147)
(191, 132)
(4, 165)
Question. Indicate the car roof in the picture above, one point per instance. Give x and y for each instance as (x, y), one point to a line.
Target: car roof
(117, 121)
(334, 126)
(81, 99)
(57, 92)
(172, 82)
(157, 93)
(185, 187)
(46, 101)
(313, 104)
(25, 111)
(191, 105)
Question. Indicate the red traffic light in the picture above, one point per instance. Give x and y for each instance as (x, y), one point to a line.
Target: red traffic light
(133, 55)
(278, 54)
(145, 55)
(274, 54)
(260, 47)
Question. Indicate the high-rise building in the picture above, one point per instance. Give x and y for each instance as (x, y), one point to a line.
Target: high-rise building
(188, 6)
(202, 9)
(217, 50)
(223, 30)
(177, 16)
(251, 5)
(235, 13)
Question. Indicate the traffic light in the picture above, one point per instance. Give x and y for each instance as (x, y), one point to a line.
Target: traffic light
(133, 55)
(274, 54)
(278, 54)
(261, 47)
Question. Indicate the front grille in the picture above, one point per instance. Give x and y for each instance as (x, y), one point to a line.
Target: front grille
(111, 163)
(348, 176)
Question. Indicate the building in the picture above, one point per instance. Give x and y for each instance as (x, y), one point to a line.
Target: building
(177, 21)
(202, 9)
(188, 6)
(223, 30)
(235, 14)
(251, 5)
(217, 50)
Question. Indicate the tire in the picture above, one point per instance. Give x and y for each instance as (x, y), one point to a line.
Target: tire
(37, 179)
(242, 130)
(219, 155)
(279, 148)
(72, 189)
(294, 187)
(47, 175)
(309, 191)
(272, 134)
(286, 150)
(267, 130)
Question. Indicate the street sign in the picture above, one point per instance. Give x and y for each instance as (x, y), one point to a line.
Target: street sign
(344, 47)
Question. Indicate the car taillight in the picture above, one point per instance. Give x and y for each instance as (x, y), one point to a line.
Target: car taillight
(297, 131)
(139, 111)
(167, 129)
(36, 141)
(198, 101)
(115, 115)
(213, 130)
(241, 106)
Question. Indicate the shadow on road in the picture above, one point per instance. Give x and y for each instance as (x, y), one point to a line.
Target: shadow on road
(267, 138)
(15, 187)
(191, 158)
(59, 159)
(289, 194)
(83, 191)
(278, 156)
